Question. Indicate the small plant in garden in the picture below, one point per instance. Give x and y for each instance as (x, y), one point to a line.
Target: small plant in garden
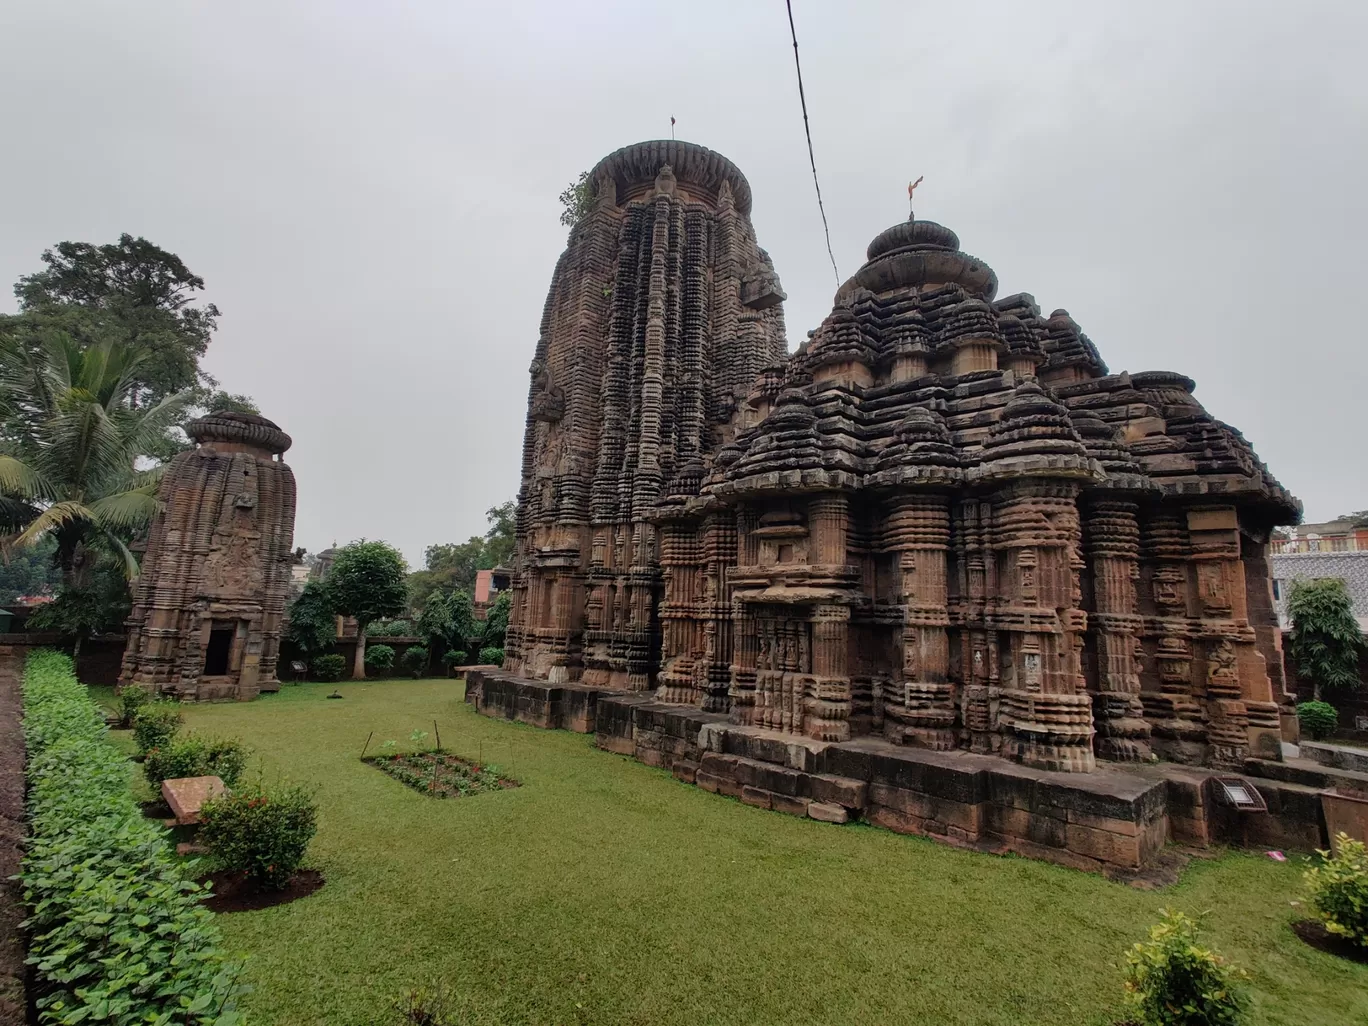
(379, 658)
(1339, 890)
(424, 1006)
(261, 832)
(1172, 980)
(1317, 719)
(491, 656)
(415, 660)
(328, 668)
(131, 699)
(195, 756)
(439, 774)
(389, 746)
(455, 657)
(155, 724)
(417, 737)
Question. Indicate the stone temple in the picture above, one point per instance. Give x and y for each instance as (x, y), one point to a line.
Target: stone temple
(941, 525)
(209, 606)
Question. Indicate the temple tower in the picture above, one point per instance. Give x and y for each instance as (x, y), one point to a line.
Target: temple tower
(209, 605)
(662, 311)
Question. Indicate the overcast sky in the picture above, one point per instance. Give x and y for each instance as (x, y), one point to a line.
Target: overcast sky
(369, 190)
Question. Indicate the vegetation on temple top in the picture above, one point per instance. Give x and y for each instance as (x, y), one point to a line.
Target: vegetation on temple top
(576, 200)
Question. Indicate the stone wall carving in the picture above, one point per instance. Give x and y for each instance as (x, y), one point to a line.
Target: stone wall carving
(941, 520)
(209, 605)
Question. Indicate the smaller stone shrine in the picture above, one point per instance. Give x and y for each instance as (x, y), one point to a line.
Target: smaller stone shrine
(209, 606)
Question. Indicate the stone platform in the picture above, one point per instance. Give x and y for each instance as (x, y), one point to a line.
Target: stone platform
(1116, 820)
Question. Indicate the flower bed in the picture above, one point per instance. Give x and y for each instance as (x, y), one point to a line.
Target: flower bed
(117, 931)
(441, 774)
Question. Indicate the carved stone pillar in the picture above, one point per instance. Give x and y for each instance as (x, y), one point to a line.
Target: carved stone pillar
(1113, 534)
(742, 689)
(920, 708)
(827, 699)
(1178, 727)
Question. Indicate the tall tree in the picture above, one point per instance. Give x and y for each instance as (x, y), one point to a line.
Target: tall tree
(1325, 640)
(71, 450)
(452, 567)
(313, 621)
(367, 582)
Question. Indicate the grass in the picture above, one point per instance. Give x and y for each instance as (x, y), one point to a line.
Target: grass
(602, 891)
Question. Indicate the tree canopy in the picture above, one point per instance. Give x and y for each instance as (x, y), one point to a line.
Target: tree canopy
(1325, 640)
(366, 581)
(313, 621)
(453, 567)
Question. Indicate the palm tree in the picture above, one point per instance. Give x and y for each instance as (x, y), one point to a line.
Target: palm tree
(70, 442)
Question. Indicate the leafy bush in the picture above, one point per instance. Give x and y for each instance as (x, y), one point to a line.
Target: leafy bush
(379, 658)
(155, 724)
(390, 629)
(1339, 890)
(415, 660)
(491, 656)
(261, 832)
(194, 756)
(1319, 719)
(1173, 981)
(328, 668)
(117, 934)
(455, 657)
(131, 699)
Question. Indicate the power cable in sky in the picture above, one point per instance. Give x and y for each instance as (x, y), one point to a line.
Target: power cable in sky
(808, 132)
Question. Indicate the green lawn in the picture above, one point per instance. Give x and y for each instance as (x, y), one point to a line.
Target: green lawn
(602, 891)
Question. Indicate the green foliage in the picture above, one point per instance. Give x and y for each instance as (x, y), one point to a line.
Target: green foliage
(425, 1006)
(454, 657)
(313, 623)
(190, 755)
(379, 658)
(29, 571)
(491, 656)
(391, 629)
(367, 581)
(117, 934)
(1172, 980)
(453, 567)
(100, 605)
(577, 200)
(131, 699)
(1325, 640)
(155, 724)
(495, 624)
(328, 668)
(1318, 719)
(414, 660)
(1339, 890)
(263, 832)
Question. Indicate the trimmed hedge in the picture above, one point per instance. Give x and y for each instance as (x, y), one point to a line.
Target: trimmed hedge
(117, 932)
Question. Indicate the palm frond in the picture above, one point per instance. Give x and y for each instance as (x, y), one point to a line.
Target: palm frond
(121, 552)
(59, 514)
(125, 510)
(20, 480)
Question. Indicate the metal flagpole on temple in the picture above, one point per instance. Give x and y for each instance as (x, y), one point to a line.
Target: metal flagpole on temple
(910, 187)
(672, 123)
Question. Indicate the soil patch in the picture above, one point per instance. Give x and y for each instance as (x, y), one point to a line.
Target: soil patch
(441, 774)
(232, 892)
(1313, 931)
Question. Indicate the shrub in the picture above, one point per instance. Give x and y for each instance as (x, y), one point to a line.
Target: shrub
(491, 656)
(131, 699)
(1319, 719)
(455, 657)
(379, 658)
(155, 724)
(390, 629)
(117, 934)
(261, 832)
(1339, 890)
(415, 660)
(328, 668)
(194, 756)
(1173, 981)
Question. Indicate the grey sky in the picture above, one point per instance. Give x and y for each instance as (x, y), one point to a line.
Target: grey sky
(370, 192)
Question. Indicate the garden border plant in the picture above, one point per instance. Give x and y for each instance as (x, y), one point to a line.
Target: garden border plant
(117, 933)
